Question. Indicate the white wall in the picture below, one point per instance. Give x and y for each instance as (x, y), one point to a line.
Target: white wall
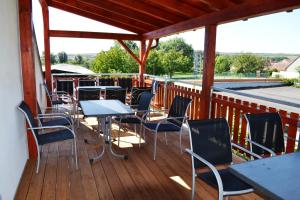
(13, 141)
(40, 90)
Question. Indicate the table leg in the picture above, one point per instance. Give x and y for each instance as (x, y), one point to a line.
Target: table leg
(98, 157)
(125, 157)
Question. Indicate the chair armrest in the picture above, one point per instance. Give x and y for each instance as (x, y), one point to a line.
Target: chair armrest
(262, 147)
(53, 127)
(211, 167)
(53, 117)
(246, 150)
(165, 120)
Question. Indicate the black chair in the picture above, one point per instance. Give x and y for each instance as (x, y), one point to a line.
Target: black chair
(116, 93)
(211, 145)
(88, 94)
(125, 83)
(87, 82)
(106, 81)
(173, 122)
(61, 133)
(135, 93)
(57, 98)
(266, 133)
(141, 112)
(54, 118)
(65, 86)
(154, 86)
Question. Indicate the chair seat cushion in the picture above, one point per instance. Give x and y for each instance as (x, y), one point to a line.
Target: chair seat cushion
(162, 127)
(55, 136)
(57, 122)
(230, 181)
(128, 120)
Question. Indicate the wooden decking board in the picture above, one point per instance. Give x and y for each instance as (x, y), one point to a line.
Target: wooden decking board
(49, 184)
(139, 177)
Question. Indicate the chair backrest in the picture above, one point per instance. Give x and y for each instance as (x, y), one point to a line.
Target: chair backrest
(65, 86)
(178, 109)
(144, 102)
(24, 108)
(88, 94)
(47, 91)
(135, 93)
(106, 81)
(266, 129)
(89, 82)
(125, 83)
(117, 94)
(154, 86)
(210, 139)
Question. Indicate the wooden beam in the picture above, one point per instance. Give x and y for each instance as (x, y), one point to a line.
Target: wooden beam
(179, 7)
(95, 17)
(130, 52)
(116, 17)
(27, 62)
(115, 8)
(208, 70)
(95, 35)
(141, 7)
(149, 47)
(142, 65)
(234, 13)
(48, 77)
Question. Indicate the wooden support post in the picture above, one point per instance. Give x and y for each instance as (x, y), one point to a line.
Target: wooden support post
(47, 44)
(208, 70)
(27, 61)
(142, 64)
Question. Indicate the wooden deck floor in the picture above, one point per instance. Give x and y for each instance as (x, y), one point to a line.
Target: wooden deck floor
(139, 177)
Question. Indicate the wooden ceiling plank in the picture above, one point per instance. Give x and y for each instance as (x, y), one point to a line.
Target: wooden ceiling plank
(200, 5)
(94, 17)
(107, 14)
(94, 35)
(178, 7)
(104, 4)
(139, 6)
(234, 13)
(217, 4)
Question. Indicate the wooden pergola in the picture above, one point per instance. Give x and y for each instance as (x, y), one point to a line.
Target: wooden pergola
(148, 20)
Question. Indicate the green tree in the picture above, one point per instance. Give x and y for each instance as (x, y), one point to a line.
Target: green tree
(247, 63)
(153, 64)
(173, 61)
(114, 60)
(78, 59)
(53, 59)
(223, 64)
(179, 45)
(62, 57)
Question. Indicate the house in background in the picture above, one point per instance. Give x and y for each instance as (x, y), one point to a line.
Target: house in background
(287, 71)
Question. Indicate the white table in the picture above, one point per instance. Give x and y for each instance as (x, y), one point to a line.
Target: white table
(104, 110)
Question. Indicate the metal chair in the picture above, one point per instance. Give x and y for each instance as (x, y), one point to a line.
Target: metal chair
(87, 82)
(141, 111)
(57, 98)
(117, 94)
(266, 133)
(154, 86)
(135, 93)
(173, 122)
(54, 118)
(61, 133)
(211, 145)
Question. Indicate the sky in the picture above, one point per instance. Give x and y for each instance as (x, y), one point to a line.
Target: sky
(276, 33)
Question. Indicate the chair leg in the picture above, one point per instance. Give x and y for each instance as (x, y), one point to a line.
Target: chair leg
(119, 134)
(75, 149)
(72, 147)
(155, 141)
(38, 161)
(180, 142)
(193, 187)
(144, 133)
(140, 133)
(166, 138)
(135, 130)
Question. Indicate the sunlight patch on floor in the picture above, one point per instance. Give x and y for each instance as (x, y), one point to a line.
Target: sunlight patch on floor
(180, 181)
(128, 141)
